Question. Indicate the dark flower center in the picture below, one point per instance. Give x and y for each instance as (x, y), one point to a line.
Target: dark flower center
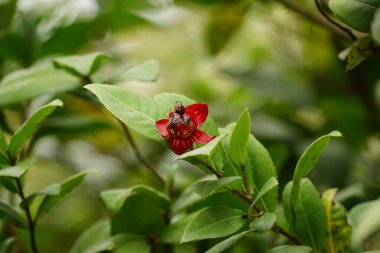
(179, 108)
(180, 126)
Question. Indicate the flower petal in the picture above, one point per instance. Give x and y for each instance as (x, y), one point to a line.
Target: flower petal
(201, 137)
(197, 112)
(161, 127)
(179, 146)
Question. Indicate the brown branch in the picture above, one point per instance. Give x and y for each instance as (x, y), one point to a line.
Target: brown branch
(328, 18)
(313, 17)
(247, 198)
(138, 154)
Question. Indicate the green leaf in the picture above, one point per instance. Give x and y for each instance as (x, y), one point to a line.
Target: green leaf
(173, 232)
(26, 84)
(200, 156)
(230, 241)
(208, 187)
(121, 243)
(18, 170)
(213, 222)
(338, 230)
(138, 210)
(239, 138)
(146, 71)
(9, 213)
(3, 141)
(81, 65)
(25, 131)
(97, 232)
(166, 101)
(358, 14)
(114, 199)
(307, 161)
(7, 245)
(7, 11)
(375, 27)
(365, 221)
(310, 216)
(52, 194)
(290, 249)
(261, 168)
(360, 50)
(269, 185)
(133, 244)
(264, 223)
(134, 109)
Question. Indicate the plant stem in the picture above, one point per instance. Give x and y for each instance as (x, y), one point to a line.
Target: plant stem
(245, 180)
(31, 223)
(138, 154)
(291, 5)
(324, 14)
(247, 198)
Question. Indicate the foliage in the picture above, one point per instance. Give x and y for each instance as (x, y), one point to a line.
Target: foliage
(76, 87)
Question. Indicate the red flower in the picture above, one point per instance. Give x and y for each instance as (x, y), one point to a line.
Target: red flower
(181, 127)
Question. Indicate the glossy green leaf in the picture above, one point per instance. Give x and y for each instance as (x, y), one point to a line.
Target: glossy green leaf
(365, 221)
(173, 232)
(269, 185)
(166, 102)
(310, 216)
(114, 199)
(7, 245)
(264, 223)
(52, 194)
(26, 84)
(239, 138)
(25, 131)
(229, 242)
(146, 71)
(261, 168)
(81, 65)
(18, 170)
(9, 213)
(138, 210)
(307, 161)
(338, 230)
(208, 187)
(134, 109)
(213, 222)
(358, 14)
(290, 249)
(201, 156)
(97, 232)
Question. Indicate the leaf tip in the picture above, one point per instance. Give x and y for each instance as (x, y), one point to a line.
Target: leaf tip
(336, 133)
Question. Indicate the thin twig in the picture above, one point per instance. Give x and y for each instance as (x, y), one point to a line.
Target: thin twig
(31, 223)
(138, 154)
(328, 18)
(245, 179)
(247, 198)
(312, 17)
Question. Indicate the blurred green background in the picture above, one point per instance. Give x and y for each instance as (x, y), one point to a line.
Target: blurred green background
(232, 55)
